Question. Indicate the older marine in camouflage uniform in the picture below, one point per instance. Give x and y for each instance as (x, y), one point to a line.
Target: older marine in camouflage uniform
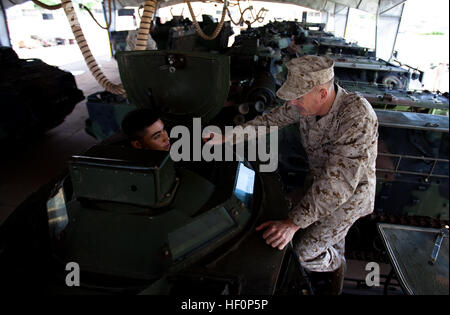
(341, 143)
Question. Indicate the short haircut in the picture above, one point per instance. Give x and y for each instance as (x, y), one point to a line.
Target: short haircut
(330, 83)
(135, 122)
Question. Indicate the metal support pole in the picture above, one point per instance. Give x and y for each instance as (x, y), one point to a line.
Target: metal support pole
(113, 16)
(5, 39)
(376, 27)
(346, 21)
(109, 29)
(398, 28)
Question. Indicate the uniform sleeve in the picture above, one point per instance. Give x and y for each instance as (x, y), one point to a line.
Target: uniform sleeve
(348, 161)
(280, 116)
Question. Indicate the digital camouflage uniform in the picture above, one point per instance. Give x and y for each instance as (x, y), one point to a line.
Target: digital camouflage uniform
(342, 149)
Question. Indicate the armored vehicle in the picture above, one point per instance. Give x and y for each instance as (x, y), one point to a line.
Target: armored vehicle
(384, 97)
(375, 71)
(35, 96)
(135, 221)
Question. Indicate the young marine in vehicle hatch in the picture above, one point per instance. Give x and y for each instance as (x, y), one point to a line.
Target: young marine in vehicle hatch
(339, 131)
(145, 130)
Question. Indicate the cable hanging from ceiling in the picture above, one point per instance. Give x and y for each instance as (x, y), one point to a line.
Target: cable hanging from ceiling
(258, 18)
(146, 21)
(83, 45)
(108, 24)
(197, 26)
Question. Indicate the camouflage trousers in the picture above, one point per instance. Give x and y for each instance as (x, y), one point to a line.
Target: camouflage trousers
(318, 249)
(321, 246)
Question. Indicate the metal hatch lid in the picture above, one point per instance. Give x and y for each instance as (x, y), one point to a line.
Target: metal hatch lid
(126, 156)
(178, 85)
(409, 249)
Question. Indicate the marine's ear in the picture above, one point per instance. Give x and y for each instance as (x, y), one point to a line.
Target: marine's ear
(136, 144)
(323, 94)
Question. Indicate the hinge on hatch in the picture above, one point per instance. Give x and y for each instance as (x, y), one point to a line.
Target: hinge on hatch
(174, 62)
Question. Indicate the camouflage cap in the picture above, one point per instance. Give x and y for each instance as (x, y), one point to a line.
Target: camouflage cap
(304, 73)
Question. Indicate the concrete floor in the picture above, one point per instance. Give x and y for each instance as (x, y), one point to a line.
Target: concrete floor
(26, 168)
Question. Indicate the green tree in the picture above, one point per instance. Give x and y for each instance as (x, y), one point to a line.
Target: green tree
(47, 2)
(90, 4)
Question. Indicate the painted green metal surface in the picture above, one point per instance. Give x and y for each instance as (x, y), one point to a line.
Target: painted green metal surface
(112, 231)
(121, 241)
(195, 85)
(122, 174)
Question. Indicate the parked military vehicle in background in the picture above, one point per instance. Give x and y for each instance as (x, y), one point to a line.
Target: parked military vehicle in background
(35, 96)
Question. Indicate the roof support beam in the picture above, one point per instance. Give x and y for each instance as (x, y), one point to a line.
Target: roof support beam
(346, 22)
(360, 1)
(398, 28)
(387, 28)
(400, 3)
(340, 20)
(377, 28)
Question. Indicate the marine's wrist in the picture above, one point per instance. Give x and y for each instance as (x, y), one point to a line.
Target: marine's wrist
(290, 222)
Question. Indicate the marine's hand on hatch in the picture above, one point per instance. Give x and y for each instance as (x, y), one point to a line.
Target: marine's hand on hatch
(278, 233)
(214, 138)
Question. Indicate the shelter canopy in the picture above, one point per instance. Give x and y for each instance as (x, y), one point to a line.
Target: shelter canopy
(388, 13)
(371, 6)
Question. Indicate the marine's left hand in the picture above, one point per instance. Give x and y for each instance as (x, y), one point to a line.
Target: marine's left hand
(278, 233)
